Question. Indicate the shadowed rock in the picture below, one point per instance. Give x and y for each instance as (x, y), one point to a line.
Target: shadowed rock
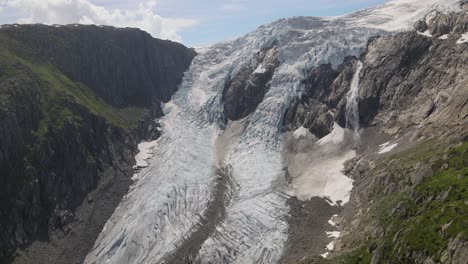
(246, 90)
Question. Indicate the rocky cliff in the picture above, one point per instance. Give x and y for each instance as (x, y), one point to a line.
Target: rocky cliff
(409, 201)
(143, 68)
(279, 110)
(246, 90)
(74, 102)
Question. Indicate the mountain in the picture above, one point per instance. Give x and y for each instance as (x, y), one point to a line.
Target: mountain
(75, 101)
(309, 140)
(264, 125)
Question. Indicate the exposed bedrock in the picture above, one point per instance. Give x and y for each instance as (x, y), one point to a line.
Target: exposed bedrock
(439, 24)
(311, 114)
(324, 100)
(126, 66)
(406, 206)
(407, 76)
(246, 90)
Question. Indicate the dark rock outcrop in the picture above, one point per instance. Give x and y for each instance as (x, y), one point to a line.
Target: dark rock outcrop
(409, 74)
(324, 100)
(439, 24)
(246, 90)
(311, 114)
(124, 66)
(464, 6)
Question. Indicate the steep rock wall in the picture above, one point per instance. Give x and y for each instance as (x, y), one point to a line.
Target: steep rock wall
(125, 67)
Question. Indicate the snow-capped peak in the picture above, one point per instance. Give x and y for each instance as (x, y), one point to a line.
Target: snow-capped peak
(398, 15)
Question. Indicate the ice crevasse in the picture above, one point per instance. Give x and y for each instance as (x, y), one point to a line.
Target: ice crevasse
(171, 196)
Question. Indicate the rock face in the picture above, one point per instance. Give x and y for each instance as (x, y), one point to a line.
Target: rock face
(414, 76)
(324, 100)
(63, 135)
(311, 114)
(246, 90)
(397, 72)
(142, 68)
(439, 24)
(408, 206)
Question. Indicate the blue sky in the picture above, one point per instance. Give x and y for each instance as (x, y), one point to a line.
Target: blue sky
(221, 20)
(191, 22)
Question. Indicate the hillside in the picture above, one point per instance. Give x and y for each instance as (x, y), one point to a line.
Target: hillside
(308, 140)
(71, 121)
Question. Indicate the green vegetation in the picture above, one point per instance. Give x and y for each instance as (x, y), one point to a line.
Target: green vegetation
(421, 221)
(436, 213)
(27, 82)
(421, 152)
(60, 97)
(60, 90)
(359, 256)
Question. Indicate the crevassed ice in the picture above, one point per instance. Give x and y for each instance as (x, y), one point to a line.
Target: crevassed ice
(165, 205)
(398, 15)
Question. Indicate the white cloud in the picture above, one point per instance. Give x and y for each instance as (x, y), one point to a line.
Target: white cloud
(85, 12)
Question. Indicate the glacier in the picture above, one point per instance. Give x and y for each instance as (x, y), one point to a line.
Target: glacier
(170, 197)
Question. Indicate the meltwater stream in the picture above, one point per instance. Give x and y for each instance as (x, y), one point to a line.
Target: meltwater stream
(352, 106)
(169, 201)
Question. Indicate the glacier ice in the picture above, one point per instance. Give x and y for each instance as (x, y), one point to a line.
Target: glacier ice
(166, 204)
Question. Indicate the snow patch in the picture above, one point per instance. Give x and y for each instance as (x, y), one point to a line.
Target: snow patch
(335, 137)
(387, 147)
(334, 234)
(323, 178)
(331, 222)
(463, 39)
(317, 171)
(146, 152)
(260, 69)
(446, 36)
(300, 132)
(330, 246)
(400, 15)
(425, 33)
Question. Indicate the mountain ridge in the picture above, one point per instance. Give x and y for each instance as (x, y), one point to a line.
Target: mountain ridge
(270, 167)
(254, 154)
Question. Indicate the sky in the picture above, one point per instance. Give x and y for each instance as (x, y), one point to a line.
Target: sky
(192, 22)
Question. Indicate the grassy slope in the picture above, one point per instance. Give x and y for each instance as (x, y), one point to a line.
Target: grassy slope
(424, 224)
(60, 99)
(57, 90)
(441, 200)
